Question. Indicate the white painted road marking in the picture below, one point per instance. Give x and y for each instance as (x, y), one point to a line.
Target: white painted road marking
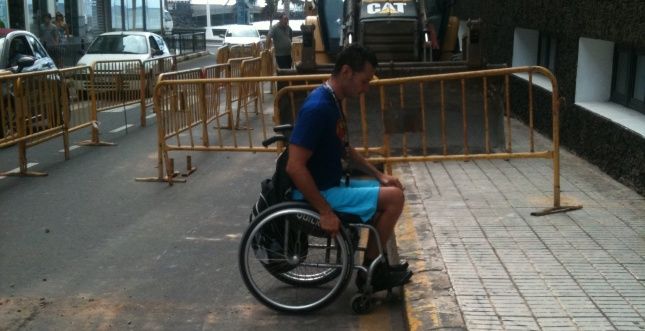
(71, 148)
(17, 170)
(121, 128)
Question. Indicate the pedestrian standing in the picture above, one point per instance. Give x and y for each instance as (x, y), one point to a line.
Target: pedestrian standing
(48, 32)
(61, 27)
(280, 36)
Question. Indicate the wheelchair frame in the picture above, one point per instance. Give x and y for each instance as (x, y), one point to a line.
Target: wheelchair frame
(301, 214)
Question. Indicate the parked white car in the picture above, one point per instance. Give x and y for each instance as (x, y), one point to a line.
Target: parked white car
(239, 34)
(111, 48)
(125, 45)
(215, 34)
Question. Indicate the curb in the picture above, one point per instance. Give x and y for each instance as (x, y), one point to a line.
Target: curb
(429, 301)
(190, 56)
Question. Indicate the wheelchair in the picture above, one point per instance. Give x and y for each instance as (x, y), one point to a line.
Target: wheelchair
(290, 264)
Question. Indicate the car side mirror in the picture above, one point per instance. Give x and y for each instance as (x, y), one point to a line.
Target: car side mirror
(25, 61)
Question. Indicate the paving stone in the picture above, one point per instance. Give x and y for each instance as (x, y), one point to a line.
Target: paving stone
(545, 307)
(593, 323)
(556, 323)
(637, 270)
(510, 305)
(519, 323)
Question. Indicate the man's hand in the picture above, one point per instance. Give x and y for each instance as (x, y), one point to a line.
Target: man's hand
(330, 223)
(387, 180)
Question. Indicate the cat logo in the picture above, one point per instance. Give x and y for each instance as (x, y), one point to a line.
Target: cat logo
(386, 8)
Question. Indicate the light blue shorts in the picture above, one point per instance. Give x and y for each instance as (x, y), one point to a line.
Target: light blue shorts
(359, 198)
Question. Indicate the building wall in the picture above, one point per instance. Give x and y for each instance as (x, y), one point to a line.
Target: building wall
(618, 151)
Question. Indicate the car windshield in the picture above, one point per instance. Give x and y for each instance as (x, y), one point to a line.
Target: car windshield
(242, 32)
(119, 44)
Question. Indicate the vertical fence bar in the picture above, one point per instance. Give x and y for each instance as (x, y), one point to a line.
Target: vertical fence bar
(444, 141)
(422, 109)
(507, 111)
(464, 115)
(142, 97)
(364, 124)
(402, 115)
(531, 115)
(203, 110)
(486, 119)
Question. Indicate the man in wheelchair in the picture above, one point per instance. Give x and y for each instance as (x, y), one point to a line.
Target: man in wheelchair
(317, 145)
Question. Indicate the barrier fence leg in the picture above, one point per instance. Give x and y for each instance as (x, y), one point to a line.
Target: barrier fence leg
(189, 166)
(557, 207)
(95, 140)
(161, 177)
(22, 164)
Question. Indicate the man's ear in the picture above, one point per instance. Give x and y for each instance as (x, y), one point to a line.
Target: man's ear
(346, 71)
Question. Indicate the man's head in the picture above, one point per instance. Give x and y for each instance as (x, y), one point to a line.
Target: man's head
(354, 68)
(284, 19)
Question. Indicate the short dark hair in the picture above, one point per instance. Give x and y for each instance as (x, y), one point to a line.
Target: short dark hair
(355, 56)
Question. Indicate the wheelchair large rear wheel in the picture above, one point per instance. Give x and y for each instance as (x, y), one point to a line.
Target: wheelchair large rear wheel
(289, 264)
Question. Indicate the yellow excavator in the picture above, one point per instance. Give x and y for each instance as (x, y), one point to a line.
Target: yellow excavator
(396, 31)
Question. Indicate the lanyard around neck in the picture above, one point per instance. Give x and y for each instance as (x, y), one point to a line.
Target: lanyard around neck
(327, 87)
(333, 95)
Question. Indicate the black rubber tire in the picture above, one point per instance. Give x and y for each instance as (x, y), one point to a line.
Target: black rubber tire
(252, 266)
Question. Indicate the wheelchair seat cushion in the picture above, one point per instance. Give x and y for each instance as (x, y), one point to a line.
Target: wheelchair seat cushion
(359, 198)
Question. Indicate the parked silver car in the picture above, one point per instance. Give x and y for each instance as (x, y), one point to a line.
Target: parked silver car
(21, 51)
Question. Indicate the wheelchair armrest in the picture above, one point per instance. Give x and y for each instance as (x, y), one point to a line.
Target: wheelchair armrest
(283, 128)
(273, 139)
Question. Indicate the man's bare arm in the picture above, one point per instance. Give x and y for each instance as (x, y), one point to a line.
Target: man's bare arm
(358, 161)
(304, 182)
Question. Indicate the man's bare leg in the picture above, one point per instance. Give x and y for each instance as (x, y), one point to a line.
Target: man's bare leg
(390, 207)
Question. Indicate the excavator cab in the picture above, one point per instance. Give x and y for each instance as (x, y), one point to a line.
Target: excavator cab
(395, 30)
(391, 29)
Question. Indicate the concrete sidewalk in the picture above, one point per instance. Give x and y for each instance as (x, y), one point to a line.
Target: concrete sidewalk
(482, 262)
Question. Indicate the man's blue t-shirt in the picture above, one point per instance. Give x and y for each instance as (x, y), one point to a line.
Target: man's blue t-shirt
(319, 128)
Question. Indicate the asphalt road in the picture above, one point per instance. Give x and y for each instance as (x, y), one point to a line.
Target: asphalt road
(88, 247)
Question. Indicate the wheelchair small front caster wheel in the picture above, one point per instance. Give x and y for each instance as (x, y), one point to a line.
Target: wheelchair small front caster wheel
(362, 304)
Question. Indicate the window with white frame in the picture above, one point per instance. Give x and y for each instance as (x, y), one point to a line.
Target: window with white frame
(628, 81)
(532, 47)
(604, 77)
(546, 51)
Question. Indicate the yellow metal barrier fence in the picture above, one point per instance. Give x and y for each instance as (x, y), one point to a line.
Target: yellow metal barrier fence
(34, 109)
(8, 111)
(126, 82)
(40, 106)
(183, 118)
(223, 54)
(116, 83)
(152, 68)
(455, 116)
